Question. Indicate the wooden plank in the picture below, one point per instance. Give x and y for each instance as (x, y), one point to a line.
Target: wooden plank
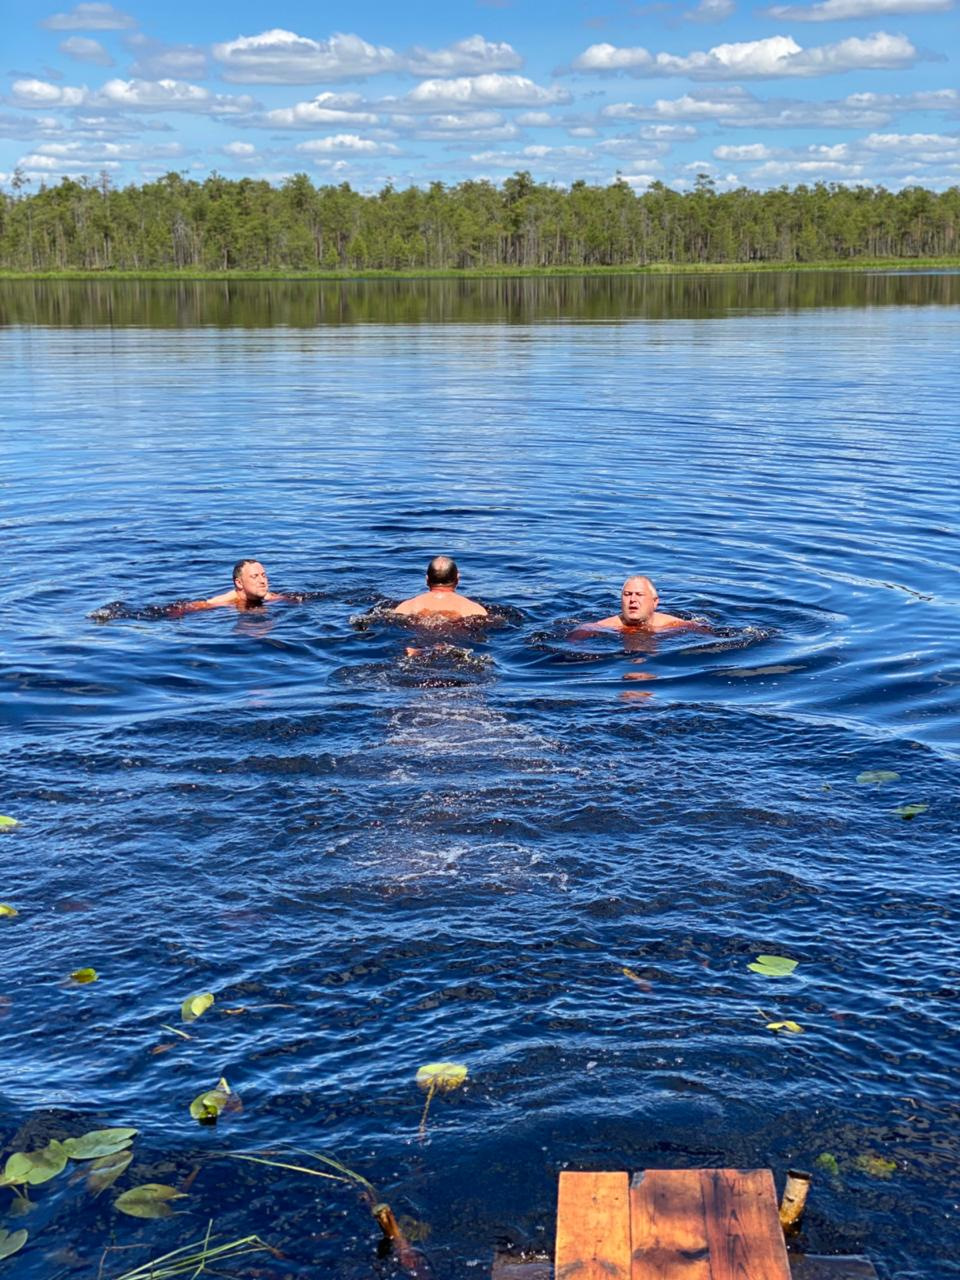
(743, 1228)
(593, 1227)
(667, 1226)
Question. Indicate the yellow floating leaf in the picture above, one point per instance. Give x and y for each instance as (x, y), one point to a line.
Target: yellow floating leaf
(793, 1027)
(8, 911)
(194, 1006)
(83, 976)
(206, 1108)
(441, 1077)
(7, 823)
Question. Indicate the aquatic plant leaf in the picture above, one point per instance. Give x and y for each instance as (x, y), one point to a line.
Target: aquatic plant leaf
(438, 1077)
(83, 976)
(6, 910)
(642, 983)
(206, 1107)
(828, 1162)
(7, 823)
(794, 1028)
(908, 811)
(98, 1142)
(104, 1171)
(194, 1006)
(149, 1200)
(175, 1031)
(875, 1166)
(878, 776)
(441, 1077)
(35, 1167)
(11, 1242)
(773, 966)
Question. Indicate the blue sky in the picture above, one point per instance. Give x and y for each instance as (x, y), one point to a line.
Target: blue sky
(851, 91)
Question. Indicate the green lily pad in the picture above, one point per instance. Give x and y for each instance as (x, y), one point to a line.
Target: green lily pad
(773, 966)
(149, 1200)
(908, 811)
(99, 1142)
(83, 976)
(6, 910)
(103, 1172)
(829, 1163)
(11, 1242)
(194, 1006)
(878, 776)
(875, 1166)
(7, 823)
(35, 1167)
(207, 1107)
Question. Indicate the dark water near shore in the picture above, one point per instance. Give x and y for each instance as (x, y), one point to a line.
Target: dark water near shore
(389, 860)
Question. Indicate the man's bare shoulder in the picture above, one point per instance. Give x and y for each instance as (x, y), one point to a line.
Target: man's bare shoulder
(668, 622)
(215, 602)
(446, 605)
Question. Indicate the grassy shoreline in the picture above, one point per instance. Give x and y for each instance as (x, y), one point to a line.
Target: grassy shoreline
(492, 273)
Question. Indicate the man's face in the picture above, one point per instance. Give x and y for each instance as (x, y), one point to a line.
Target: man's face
(252, 581)
(638, 601)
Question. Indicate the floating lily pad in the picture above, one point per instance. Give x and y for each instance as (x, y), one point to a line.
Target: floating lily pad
(7, 823)
(102, 1173)
(207, 1107)
(773, 966)
(6, 910)
(149, 1200)
(83, 976)
(194, 1006)
(11, 1242)
(908, 811)
(875, 1166)
(794, 1028)
(438, 1077)
(97, 1143)
(878, 776)
(829, 1163)
(34, 1167)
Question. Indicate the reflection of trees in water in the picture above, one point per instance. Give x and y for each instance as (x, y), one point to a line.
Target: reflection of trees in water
(307, 304)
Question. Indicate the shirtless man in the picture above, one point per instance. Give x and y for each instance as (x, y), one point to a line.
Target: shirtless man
(638, 611)
(250, 589)
(441, 597)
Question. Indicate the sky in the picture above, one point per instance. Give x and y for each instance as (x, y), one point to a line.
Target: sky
(371, 93)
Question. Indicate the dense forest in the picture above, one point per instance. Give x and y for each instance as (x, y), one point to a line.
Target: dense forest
(221, 224)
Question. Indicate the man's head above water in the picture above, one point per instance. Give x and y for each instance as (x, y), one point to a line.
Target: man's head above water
(638, 601)
(442, 572)
(250, 583)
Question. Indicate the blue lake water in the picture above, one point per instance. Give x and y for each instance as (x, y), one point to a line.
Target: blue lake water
(388, 860)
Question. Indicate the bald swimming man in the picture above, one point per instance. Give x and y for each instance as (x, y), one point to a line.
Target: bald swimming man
(638, 611)
(441, 597)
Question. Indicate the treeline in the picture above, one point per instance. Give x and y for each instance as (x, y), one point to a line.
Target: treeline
(221, 224)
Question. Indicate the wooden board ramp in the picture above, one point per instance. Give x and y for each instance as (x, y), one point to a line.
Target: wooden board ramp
(670, 1224)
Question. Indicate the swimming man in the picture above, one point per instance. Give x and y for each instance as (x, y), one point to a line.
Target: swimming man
(638, 611)
(251, 589)
(441, 597)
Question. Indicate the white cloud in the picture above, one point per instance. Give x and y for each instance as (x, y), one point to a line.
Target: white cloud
(90, 17)
(836, 10)
(156, 59)
(738, 107)
(542, 119)
(350, 142)
(325, 109)
(85, 50)
(82, 157)
(283, 57)
(711, 11)
(132, 95)
(770, 58)
(240, 150)
(750, 151)
(40, 93)
(491, 90)
(467, 57)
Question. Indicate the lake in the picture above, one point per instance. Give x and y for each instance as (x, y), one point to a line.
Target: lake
(548, 859)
